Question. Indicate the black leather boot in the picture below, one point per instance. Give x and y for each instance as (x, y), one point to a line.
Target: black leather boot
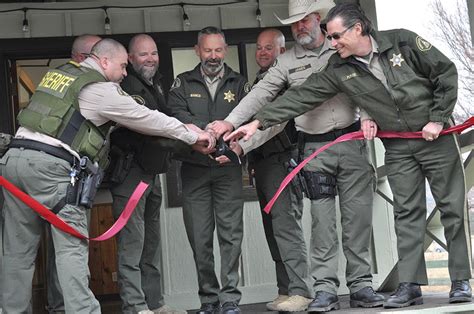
(406, 294)
(209, 308)
(324, 302)
(460, 291)
(366, 297)
(230, 308)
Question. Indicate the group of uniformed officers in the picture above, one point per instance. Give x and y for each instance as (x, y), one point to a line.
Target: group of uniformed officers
(339, 77)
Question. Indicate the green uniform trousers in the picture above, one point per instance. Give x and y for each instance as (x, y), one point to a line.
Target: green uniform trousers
(44, 178)
(212, 199)
(409, 162)
(54, 291)
(355, 181)
(283, 229)
(139, 244)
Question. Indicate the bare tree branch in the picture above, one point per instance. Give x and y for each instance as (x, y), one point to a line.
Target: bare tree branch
(453, 29)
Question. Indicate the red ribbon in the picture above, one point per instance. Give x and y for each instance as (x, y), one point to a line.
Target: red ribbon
(358, 136)
(60, 224)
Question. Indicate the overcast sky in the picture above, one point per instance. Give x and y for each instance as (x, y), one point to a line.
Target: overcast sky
(417, 16)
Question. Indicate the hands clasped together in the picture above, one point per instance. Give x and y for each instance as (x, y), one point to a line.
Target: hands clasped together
(206, 143)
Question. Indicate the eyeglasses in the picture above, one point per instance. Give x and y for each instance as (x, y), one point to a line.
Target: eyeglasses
(338, 35)
(85, 55)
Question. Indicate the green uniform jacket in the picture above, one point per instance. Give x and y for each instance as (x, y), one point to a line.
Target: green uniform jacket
(422, 85)
(151, 157)
(190, 102)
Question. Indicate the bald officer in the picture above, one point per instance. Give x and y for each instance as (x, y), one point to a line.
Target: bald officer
(67, 118)
(343, 170)
(406, 85)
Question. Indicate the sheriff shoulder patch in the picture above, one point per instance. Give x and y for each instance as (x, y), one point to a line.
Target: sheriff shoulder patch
(176, 84)
(247, 87)
(139, 99)
(423, 44)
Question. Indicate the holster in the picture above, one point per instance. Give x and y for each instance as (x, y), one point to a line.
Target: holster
(120, 166)
(319, 185)
(87, 181)
(90, 185)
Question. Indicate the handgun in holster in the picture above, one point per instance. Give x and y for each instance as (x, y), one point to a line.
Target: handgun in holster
(90, 181)
(298, 182)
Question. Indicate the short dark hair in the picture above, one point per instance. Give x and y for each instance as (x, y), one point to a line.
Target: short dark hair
(350, 14)
(210, 30)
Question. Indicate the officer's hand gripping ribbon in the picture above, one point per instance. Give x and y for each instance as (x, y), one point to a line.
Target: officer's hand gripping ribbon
(359, 136)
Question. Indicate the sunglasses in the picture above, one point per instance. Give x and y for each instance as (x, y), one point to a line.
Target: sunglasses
(338, 35)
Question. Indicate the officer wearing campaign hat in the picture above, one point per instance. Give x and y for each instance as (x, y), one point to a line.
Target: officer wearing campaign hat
(343, 169)
(299, 9)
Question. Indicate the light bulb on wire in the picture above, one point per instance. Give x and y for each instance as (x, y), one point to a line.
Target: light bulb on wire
(258, 13)
(186, 20)
(26, 26)
(107, 21)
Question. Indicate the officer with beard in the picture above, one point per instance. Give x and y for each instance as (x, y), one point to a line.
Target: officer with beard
(212, 193)
(140, 158)
(343, 170)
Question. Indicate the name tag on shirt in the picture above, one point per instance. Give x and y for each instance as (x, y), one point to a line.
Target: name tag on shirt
(299, 69)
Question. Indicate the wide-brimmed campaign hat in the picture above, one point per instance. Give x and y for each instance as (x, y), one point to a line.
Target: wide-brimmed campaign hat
(298, 9)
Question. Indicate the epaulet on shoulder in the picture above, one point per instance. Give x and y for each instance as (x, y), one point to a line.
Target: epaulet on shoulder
(74, 63)
(398, 32)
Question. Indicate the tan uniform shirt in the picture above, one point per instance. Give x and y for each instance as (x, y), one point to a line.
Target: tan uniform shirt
(373, 63)
(293, 68)
(104, 101)
(213, 82)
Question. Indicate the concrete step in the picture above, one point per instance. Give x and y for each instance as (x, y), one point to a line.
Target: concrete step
(436, 256)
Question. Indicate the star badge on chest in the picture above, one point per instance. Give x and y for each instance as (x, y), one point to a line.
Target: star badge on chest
(229, 96)
(397, 60)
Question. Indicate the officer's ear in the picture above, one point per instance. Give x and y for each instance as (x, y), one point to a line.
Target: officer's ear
(104, 62)
(282, 50)
(196, 50)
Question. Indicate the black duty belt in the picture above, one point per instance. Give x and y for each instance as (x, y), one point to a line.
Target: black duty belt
(55, 151)
(329, 136)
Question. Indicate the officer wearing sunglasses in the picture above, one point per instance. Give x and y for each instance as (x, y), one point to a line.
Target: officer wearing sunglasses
(405, 84)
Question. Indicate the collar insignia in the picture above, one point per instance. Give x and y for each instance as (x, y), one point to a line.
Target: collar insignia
(397, 60)
(229, 96)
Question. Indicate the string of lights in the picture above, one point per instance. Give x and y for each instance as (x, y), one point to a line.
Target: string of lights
(107, 21)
